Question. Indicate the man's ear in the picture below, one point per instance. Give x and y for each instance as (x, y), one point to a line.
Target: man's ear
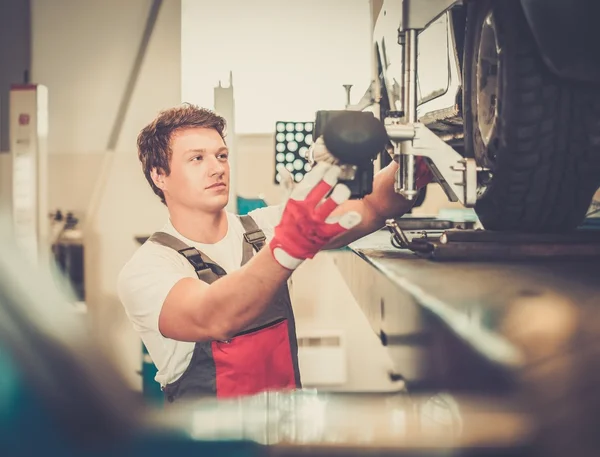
(158, 177)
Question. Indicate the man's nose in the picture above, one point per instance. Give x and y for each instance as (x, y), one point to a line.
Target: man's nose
(216, 167)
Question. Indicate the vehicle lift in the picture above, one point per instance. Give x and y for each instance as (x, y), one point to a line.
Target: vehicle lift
(440, 271)
(456, 174)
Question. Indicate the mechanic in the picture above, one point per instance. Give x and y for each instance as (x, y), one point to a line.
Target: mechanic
(210, 305)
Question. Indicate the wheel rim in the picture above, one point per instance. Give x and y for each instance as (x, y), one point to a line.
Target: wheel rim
(488, 80)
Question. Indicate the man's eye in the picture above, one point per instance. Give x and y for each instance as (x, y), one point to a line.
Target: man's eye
(197, 158)
(223, 156)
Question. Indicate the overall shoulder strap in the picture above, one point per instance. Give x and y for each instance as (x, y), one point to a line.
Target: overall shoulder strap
(254, 238)
(254, 235)
(206, 269)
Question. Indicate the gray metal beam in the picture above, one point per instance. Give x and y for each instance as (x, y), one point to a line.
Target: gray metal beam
(134, 74)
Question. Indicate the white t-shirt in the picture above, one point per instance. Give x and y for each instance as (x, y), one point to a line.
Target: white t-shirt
(145, 281)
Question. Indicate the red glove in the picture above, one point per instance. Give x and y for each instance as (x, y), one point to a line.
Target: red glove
(306, 226)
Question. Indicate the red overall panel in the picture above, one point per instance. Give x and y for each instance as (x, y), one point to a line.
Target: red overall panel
(257, 361)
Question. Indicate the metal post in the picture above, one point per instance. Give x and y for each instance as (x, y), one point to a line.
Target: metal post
(407, 167)
(348, 88)
(411, 72)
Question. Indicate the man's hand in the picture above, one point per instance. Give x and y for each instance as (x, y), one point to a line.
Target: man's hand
(423, 174)
(306, 226)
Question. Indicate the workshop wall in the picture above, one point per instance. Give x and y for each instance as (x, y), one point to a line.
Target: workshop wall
(255, 162)
(84, 53)
(15, 61)
(288, 59)
(15, 55)
(5, 181)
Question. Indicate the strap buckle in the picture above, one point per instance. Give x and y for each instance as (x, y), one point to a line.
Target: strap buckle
(195, 259)
(255, 237)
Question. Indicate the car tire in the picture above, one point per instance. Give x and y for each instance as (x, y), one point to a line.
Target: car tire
(538, 135)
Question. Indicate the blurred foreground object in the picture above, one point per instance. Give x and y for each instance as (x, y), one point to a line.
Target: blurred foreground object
(56, 379)
(560, 342)
(60, 395)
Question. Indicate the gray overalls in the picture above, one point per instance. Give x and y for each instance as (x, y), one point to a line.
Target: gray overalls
(262, 356)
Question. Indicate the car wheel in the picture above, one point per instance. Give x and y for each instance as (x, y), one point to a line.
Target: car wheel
(539, 136)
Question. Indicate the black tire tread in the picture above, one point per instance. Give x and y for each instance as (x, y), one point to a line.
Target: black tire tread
(548, 161)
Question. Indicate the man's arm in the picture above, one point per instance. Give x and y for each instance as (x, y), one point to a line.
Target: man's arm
(196, 311)
(381, 204)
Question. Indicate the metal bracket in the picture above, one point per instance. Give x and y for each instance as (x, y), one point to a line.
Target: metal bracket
(398, 239)
(456, 174)
(366, 100)
(418, 14)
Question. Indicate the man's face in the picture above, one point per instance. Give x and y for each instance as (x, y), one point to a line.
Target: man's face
(199, 177)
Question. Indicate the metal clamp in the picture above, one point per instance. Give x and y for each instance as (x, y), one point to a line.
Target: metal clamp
(398, 238)
(457, 175)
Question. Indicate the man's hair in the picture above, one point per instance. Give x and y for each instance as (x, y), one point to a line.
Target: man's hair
(154, 140)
